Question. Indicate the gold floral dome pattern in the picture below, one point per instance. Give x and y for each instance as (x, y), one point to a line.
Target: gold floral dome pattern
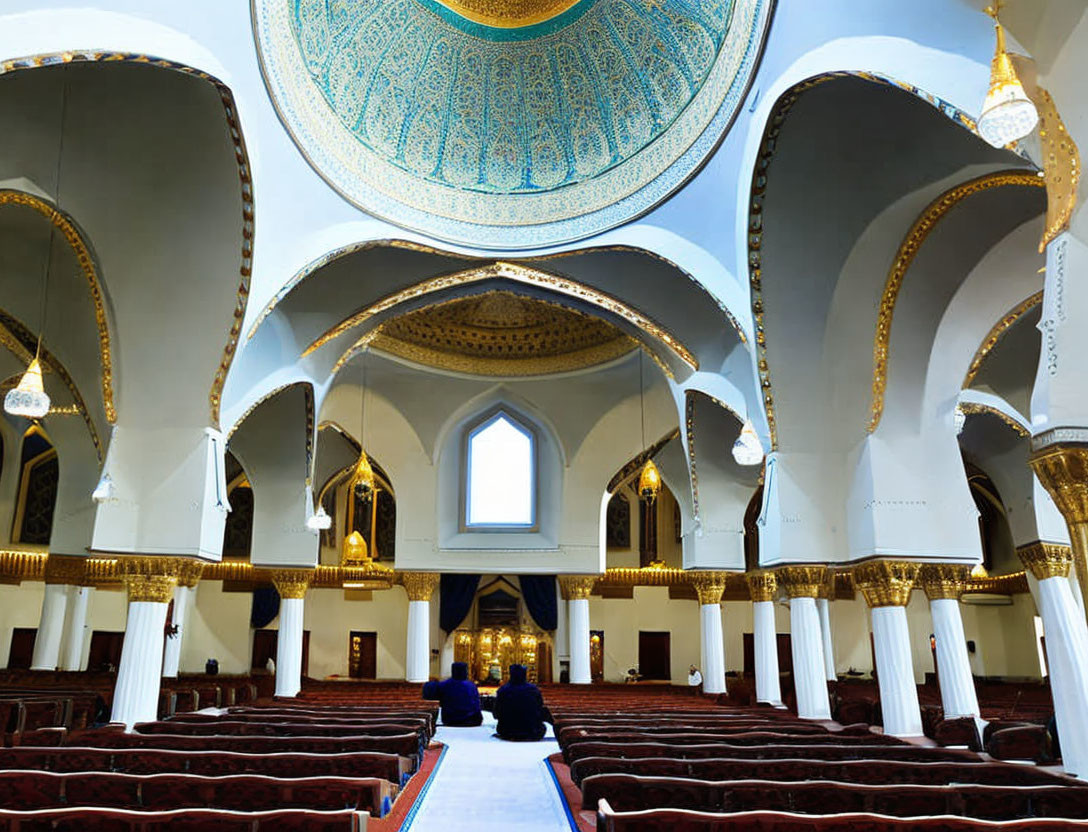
(508, 124)
(502, 334)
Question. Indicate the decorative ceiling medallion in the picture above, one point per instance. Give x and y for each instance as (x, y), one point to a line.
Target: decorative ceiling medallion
(508, 123)
(501, 333)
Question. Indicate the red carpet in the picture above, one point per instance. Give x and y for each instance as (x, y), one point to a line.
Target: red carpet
(572, 795)
(407, 798)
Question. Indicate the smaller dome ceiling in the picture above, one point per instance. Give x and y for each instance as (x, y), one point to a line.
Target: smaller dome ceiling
(501, 333)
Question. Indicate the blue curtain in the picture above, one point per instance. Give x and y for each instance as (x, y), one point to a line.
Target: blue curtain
(539, 594)
(266, 606)
(455, 599)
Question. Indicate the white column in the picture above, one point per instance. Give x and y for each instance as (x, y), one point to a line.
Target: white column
(136, 695)
(289, 647)
(419, 647)
(958, 697)
(184, 596)
(768, 687)
(895, 672)
(806, 645)
(713, 648)
(823, 607)
(75, 627)
(579, 641)
(1066, 648)
(50, 628)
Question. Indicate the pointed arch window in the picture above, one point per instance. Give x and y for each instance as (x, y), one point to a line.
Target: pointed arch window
(500, 474)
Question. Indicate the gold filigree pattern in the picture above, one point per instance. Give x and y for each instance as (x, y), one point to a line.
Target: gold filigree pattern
(1061, 167)
(886, 583)
(709, 586)
(419, 585)
(1046, 560)
(502, 333)
(944, 580)
(241, 157)
(978, 407)
(292, 583)
(762, 585)
(18, 565)
(578, 587)
(802, 581)
(908, 249)
(689, 431)
(516, 273)
(63, 223)
(996, 332)
(508, 14)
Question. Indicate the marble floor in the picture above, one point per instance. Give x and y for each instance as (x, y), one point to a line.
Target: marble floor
(485, 783)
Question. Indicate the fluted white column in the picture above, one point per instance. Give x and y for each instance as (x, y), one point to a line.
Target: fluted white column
(136, 695)
(807, 648)
(944, 583)
(886, 586)
(75, 626)
(895, 673)
(579, 641)
(576, 590)
(823, 608)
(184, 596)
(419, 586)
(713, 648)
(1066, 648)
(763, 588)
(419, 649)
(50, 628)
(289, 647)
(291, 584)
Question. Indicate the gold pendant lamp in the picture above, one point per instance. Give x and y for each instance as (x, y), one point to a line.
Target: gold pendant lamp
(1007, 113)
(649, 480)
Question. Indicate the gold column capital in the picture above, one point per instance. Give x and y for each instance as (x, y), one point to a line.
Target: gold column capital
(802, 581)
(709, 586)
(150, 577)
(1046, 560)
(827, 588)
(292, 583)
(420, 586)
(762, 585)
(66, 569)
(576, 587)
(886, 583)
(944, 580)
(190, 573)
(1063, 471)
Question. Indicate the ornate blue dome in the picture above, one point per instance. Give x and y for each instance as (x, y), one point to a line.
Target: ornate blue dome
(507, 123)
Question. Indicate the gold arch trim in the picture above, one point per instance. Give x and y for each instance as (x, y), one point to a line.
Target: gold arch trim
(689, 427)
(525, 275)
(993, 337)
(74, 238)
(974, 408)
(904, 257)
(241, 156)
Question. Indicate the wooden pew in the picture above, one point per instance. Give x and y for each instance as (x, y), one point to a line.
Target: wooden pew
(78, 819)
(576, 751)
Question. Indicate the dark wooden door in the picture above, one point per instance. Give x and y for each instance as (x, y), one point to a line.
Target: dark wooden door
(543, 662)
(22, 648)
(363, 655)
(264, 648)
(785, 654)
(105, 650)
(654, 656)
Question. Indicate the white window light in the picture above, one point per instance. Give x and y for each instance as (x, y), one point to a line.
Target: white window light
(500, 475)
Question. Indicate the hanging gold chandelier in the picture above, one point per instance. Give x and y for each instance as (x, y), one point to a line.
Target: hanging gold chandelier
(362, 479)
(28, 398)
(649, 482)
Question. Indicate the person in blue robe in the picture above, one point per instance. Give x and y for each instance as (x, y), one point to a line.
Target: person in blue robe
(519, 708)
(457, 697)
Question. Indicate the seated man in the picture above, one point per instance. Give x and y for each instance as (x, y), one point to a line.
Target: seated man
(458, 698)
(519, 708)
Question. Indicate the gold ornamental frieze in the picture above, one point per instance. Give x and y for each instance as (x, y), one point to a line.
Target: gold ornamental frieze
(577, 587)
(886, 583)
(150, 578)
(419, 585)
(762, 585)
(1046, 560)
(18, 565)
(69, 570)
(944, 580)
(709, 586)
